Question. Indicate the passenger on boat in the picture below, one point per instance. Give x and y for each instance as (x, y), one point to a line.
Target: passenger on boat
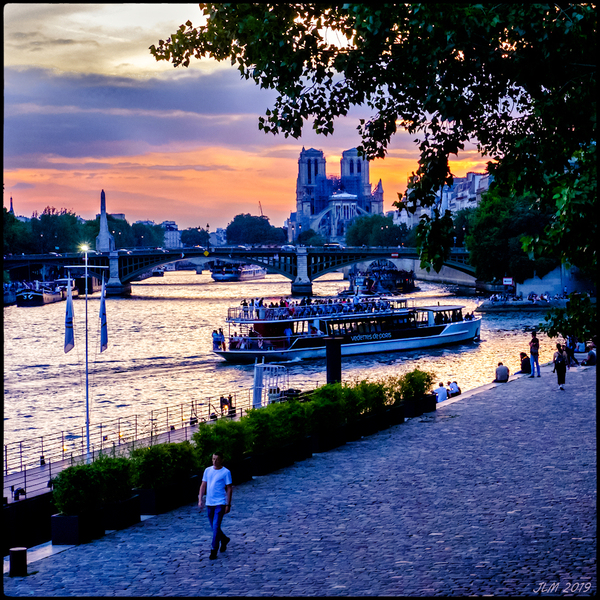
(216, 340)
(234, 341)
(288, 334)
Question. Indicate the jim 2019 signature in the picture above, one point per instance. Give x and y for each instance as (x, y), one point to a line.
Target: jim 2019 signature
(572, 587)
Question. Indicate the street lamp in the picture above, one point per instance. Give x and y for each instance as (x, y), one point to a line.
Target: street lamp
(85, 248)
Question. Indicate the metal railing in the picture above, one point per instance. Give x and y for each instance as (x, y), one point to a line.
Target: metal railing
(29, 465)
(366, 307)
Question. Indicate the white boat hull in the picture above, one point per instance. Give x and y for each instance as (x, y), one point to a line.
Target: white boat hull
(453, 333)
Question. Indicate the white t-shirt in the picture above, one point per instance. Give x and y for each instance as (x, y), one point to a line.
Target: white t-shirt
(216, 480)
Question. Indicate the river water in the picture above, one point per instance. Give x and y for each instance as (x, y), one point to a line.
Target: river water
(159, 351)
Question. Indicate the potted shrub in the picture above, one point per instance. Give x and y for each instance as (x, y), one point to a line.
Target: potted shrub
(373, 399)
(413, 388)
(296, 428)
(394, 412)
(121, 507)
(163, 476)
(352, 405)
(325, 418)
(77, 493)
(269, 435)
(232, 438)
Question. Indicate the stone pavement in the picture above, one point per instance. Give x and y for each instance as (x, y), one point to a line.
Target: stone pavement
(495, 493)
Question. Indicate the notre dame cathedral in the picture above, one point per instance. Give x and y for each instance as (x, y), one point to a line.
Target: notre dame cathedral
(328, 204)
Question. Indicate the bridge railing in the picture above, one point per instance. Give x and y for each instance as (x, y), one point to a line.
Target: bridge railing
(239, 314)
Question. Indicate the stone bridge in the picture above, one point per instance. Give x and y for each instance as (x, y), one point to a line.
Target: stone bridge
(302, 266)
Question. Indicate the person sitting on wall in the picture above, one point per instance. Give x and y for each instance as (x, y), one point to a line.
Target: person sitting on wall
(453, 389)
(525, 364)
(590, 361)
(441, 392)
(502, 374)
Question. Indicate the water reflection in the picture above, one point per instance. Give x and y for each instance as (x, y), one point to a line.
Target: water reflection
(160, 344)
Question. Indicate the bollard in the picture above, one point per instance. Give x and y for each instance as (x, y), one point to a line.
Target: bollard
(333, 348)
(18, 562)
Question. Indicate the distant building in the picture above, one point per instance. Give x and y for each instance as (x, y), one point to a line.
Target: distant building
(328, 204)
(172, 235)
(465, 192)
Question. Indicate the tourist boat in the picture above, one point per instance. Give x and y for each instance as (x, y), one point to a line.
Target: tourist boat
(237, 272)
(364, 325)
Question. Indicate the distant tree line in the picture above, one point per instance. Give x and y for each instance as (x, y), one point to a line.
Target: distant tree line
(62, 231)
(246, 229)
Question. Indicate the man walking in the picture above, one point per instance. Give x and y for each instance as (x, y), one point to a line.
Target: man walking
(215, 494)
(534, 349)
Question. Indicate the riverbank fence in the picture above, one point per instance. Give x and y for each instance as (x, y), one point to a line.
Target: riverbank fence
(30, 465)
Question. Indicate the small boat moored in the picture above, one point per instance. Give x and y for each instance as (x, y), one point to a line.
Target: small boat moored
(39, 297)
(365, 326)
(237, 272)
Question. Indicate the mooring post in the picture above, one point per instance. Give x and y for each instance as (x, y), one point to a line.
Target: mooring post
(18, 562)
(333, 352)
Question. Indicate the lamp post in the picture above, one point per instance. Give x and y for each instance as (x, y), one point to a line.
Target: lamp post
(85, 249)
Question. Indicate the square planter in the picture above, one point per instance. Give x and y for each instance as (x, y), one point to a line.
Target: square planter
(394, 415)
(429, 403)
(76, 529)
(412, 408)
(241, 470)
(263, 463)
(120, 515)
(156, 502)
(369, 424)
(323, 441)
(303, 449)
(354, 431)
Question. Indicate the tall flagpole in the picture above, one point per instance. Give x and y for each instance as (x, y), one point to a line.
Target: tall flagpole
(70, 342)
(87, 386)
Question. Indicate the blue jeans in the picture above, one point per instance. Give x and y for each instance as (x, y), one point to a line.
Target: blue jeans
(534, 360)
(215, 518)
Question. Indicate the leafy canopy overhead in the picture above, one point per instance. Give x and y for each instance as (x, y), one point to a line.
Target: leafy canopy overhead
(518, 80)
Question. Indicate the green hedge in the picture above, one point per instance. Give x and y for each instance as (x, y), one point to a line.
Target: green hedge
(232, 438)
(110, 479)
(163, 465)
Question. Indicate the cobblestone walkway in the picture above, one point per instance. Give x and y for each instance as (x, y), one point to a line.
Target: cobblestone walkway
(493, 494)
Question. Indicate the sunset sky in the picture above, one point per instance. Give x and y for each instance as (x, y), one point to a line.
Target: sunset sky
(88, 108)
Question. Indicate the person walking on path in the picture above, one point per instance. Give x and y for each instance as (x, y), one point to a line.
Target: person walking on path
(560, 365)
(215, 494)
(534, 350)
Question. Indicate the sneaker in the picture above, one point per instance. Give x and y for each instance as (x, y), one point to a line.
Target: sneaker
(224, 543)
(213, 555)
